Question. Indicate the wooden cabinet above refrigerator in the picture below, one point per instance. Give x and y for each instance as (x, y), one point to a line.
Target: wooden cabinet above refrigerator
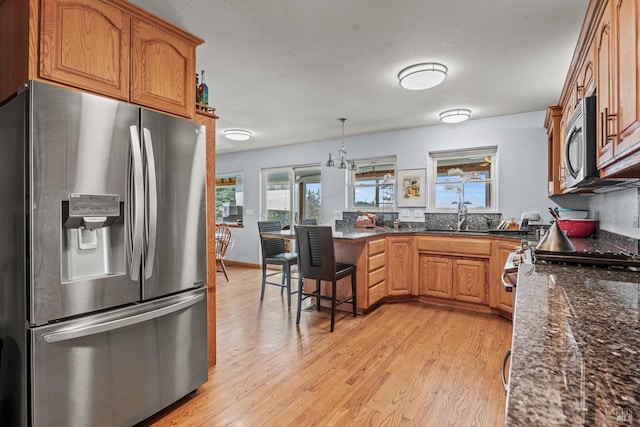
(110, 48)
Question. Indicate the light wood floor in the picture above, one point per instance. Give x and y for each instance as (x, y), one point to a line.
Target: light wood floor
(403, 364)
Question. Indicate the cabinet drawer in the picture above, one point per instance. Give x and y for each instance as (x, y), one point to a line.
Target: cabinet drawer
(376, 246)
(376, 293)
(377, 261)
(376, 276)
(455, 245)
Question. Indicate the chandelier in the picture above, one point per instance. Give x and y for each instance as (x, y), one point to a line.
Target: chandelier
(341, 161)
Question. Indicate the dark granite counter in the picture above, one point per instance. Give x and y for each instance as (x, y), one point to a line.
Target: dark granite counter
(364, 233)
(576, 347)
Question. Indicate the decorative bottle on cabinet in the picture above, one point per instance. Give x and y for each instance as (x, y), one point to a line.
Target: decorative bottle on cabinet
(197, 88)
(204, 90)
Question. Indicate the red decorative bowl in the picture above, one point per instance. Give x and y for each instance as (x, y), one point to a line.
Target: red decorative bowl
(577, 227)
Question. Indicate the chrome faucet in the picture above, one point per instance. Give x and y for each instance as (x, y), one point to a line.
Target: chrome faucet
(462, 216)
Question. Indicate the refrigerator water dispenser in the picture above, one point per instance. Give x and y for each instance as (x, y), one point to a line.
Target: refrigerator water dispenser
(92, 237)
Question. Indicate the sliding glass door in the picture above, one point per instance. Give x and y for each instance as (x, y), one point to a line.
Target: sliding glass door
(292, 194)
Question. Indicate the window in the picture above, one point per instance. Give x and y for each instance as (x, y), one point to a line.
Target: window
(229, 198)
(368, 185)
(466, 177)
(292, 194)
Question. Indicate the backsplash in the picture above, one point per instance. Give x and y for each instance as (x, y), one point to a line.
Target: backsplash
(448, 221)
(432, 221)
(626, 244)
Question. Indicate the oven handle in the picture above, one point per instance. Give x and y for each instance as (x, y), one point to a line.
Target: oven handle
(507, 286)
(507, 355)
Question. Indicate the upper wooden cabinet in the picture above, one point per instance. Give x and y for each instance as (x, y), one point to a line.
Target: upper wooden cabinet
(606, 63)
(162, 69)
(111, 48)
(626, 18)
(85, 44)
(554, 149)
(604, 48)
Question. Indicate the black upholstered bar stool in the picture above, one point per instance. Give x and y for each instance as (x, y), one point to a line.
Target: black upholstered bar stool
(316, 260)
(273, 252)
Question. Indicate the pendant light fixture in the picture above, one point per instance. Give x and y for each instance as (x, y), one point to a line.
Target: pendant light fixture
(341, 161)
(422, 76)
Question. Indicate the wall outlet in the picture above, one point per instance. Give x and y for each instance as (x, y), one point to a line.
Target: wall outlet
(404, 213)
(417, 214)
(249, 212)
(636, 222)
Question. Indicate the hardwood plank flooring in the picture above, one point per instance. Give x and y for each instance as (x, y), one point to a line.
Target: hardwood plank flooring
(403, 364)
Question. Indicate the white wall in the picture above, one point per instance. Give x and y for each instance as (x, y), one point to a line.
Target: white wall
(521, 140)
(617, 211)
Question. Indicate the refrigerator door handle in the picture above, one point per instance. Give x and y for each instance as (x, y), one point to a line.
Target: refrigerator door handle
(135, 202)
(152, 203)
(85, 331)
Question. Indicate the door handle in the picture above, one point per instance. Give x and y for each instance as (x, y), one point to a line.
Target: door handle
(135, 203)
(151, 210)
(111, 325)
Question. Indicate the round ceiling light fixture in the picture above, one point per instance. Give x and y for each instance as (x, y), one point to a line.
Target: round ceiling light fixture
(422, 76)
(456, 115)
(237, 134)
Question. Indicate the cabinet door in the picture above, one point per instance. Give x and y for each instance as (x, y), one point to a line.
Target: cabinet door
(627, 41)
(162, 67)
(436, 276)
(400, 265)
(552, 123)
(605, 84)
(85, 44)
(469, 280)
(585, 83)
(562, 171)
(500, 298)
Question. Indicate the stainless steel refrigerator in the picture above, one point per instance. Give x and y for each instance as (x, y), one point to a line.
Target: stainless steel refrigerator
(103, 314)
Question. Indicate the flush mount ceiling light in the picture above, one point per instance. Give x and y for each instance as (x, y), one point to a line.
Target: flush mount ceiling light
(456, 115)
(422, 76)
(237, 134)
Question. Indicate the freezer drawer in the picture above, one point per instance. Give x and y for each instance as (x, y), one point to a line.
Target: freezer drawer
(120, 367)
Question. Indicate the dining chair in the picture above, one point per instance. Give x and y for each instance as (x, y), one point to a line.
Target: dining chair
(309, 221)
(317, 261)
(223, 239)
(274, 253)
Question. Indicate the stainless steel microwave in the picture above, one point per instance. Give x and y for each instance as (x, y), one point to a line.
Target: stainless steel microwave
(580, 145)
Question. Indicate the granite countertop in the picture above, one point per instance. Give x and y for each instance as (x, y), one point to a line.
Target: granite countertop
(363, 233)
(575, 351)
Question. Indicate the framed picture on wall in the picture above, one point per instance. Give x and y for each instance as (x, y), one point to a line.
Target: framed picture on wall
(412, 190)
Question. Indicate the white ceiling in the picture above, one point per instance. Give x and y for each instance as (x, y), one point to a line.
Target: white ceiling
(288, 69)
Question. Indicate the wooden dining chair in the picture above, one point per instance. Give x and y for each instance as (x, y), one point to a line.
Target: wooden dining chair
(223, 239)
(274, 253)
(317, 261)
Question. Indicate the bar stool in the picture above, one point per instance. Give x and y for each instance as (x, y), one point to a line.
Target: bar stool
(273, 252)
(317, 260)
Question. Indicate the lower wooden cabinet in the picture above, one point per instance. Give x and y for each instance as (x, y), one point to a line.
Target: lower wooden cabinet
(464, 271)
(469, 280)
(400, 265)
(376, 271)
(461, 279)
(436, 276)
(499, 297)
